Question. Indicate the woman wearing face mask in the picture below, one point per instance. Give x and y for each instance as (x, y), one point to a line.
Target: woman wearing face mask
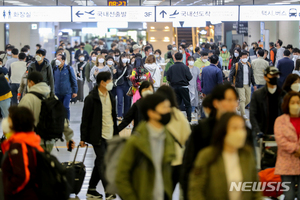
(228, 160)
(110, 62)
(190, 49)
(179, 127)
(138, 75)
(19, 166)
(98, 67)
(287, 132)
(117, 55)
(193, 86)
(292, 83)
(123, 84)
(225, 57)
(159, 59)
(79, 69)
(134, 113)
(236, 57)
(154, 70)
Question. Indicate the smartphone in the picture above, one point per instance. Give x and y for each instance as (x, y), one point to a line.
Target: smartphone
(70, 146)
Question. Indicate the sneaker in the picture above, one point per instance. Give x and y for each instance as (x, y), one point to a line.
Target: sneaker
(119, 118)
(245, 117)
(110, 196)
(92, 193)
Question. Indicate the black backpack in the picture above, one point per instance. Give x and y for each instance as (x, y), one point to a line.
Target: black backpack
(51, 119)
(54, 181)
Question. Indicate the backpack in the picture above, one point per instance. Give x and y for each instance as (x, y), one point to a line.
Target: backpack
(51, 119)
(54, 181)
(236, 69)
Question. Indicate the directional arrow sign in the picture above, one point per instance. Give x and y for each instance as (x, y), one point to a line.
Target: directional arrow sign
(181, 23)
(78, 14)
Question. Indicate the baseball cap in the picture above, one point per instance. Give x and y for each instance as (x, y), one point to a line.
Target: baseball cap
(271, 70)
(136, 47)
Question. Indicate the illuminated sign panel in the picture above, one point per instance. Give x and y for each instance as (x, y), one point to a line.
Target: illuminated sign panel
(116, 3)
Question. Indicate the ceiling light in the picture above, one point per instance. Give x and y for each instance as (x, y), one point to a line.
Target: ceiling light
(151, 2)
(152, 27)
(166, 27)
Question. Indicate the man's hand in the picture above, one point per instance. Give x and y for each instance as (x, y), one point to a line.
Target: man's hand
(82, 144)
(255, 88)
(73, 144)
(74, 95)
(19, 98)
(114, 71)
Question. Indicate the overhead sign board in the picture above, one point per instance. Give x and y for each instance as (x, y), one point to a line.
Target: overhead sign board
(104, 13)
(270, 13)
(192, 13)
(35, 14)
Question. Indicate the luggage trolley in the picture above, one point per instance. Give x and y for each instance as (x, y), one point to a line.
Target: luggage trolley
(267, 154)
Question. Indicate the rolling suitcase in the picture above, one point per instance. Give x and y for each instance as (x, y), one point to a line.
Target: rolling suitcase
(79, 169)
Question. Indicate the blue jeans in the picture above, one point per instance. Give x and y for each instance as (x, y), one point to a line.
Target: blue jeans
(65, 99)
(290, 194)
(193, 108)
(14, 90)
(123, 99)
(4, 105)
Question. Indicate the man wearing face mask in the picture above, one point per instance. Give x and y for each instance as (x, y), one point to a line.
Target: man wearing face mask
(241, 76)
(43, 66)
(279, 52)
(99, 106)
(81, 51)
(154, 146)
(88, 69)
(8, 55)
(79, 69)
(296, 53)
(148, 51)
(285, 66)
(197, 53)
(70, 49)
(185, 54)
(202, 61)
(266, 104)
(14, 58)
(65, 83)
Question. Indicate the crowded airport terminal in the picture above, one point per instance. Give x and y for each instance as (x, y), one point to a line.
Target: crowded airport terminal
(150, 99)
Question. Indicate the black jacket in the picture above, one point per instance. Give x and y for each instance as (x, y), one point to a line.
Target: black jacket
(91, 122)
(239, 79)
(133, 114)
(201, 137)
(259, 113)
(179, 75)
(124, 78)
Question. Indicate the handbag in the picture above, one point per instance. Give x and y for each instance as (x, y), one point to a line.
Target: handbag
(130, 93)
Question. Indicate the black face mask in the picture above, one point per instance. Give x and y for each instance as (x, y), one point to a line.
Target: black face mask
(273, 81)
(165, 118)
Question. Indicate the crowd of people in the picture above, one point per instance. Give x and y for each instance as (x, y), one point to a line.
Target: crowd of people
(131, 83)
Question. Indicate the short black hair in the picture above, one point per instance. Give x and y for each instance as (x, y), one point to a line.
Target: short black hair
(41, 51)
(10, 48)
(38, 45)
(145, 84)
(169, 47)
(243, 53)
(214, 59)
(295, 50)
(279, 42)
(15, 51)
(168, 92)
(104, 51)
(94, 53)
(36, 77)
(266, 51)
(24, 49)
(217, 52)
(138, 55)
(204, 53)
(113, 45)
(150, 102)
(81, 55)
(261, 52)
(197, 49)
(286, 52)
(82, 44)
(224, 46)
(271, 44)
(207, 46)
(147, 48)
(207, 102)
(169, 55)
(289, 46)
(191, 58)
(103, 76)
(178, 56)
(182, 46)
(63, 57)
(158, 51)
(117, 51)
(109, 57)
(22, 119)
(22, 56)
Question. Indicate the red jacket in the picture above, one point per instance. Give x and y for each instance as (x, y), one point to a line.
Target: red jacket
(19, 165)
(187, 56)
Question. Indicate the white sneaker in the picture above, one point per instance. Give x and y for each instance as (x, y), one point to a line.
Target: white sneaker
(193, 115)
(245, 117)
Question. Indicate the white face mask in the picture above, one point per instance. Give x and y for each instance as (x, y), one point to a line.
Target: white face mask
(150, 53)
(236, 138)
(272, 90)
(110, 62)
(128, 60)
(38, 58)
(174, 49)
(204, 60)
(101, 60)
(244, 60)
(191, 48)
(236, 55)
(101, 46)
(5, 125)
(57, 62)
(191, 62)
(156, 56)
(109, 86)
(94, 58)
(294, 109)
(81, 58)
(146, 93)
(132, 63)
(68, 46)
(295, 87)
(180, 51)
(26, 53)
(124, 60)
(9, 53)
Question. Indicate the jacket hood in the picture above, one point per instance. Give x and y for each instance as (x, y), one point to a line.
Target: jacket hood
(41, 88)
(29, 138)
(150, 67)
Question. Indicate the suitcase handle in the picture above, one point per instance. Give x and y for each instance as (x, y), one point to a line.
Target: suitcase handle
(86, 149)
